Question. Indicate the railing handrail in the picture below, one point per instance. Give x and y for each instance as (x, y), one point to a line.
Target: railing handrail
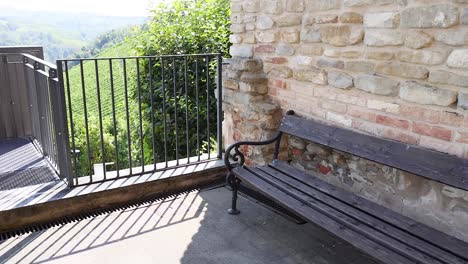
(34, 58)
(142, 57)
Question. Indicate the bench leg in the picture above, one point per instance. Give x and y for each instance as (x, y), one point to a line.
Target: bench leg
(234, 182)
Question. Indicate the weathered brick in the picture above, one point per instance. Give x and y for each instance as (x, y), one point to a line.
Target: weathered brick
(240, 64)
(252, 6)
(379, 55)
(458, 59)
(452, 37)
(438, 16)
(463, 100)
(428, 57)
(339, 119)
(273, 7)
(235, 38)
(402, 70)
(310, 50)
(420, 113)
(295, 5)
(289, 20)
(376, 84)
(265, 49)
(462, 137)
(231, 84)
(362, 113)
(351, 18)
(237, 28)
(392, 121)
(241, 51)
(290, 35)
(351, 54)
(425, 94)
(327, 63)
(333, 106)
(383, 106)
(322, 5)
(451, 118)
(340, 80)
(326, 19)
(418, 40)
(446, 77)
(432, 131)
(264, 22)
(313, 75)
(309, 34)
(285, 49)
(382, 20)
(360, 66)
(281, 72)
(342, 35)
(380, 38)
(266, 36)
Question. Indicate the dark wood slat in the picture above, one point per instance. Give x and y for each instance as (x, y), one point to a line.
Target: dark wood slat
(365, 217)
(356, 239)
(434, 165)
(440, 239)
(352, 222)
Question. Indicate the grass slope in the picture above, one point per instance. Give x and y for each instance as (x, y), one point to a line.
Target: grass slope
(91, 87)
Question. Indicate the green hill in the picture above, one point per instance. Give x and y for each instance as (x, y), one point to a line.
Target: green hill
(90, 83)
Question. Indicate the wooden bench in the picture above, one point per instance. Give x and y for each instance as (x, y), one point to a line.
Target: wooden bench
(381, 233)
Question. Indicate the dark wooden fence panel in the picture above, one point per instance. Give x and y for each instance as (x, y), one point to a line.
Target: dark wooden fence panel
(15, 111)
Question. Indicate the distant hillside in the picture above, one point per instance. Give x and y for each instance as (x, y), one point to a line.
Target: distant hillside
(61, 34)
(119, 50)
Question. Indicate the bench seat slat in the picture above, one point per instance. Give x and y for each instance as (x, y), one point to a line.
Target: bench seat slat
(358, 240)
(434, 165)
(366, 218)
(296, 191)
(423, 232)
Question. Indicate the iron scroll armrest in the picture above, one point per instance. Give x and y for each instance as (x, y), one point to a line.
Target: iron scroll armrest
(239, 157)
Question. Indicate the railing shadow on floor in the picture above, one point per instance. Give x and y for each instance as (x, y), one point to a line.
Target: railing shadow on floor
(101, 230)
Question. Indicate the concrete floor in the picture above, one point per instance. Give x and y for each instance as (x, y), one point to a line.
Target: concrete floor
(189, 228)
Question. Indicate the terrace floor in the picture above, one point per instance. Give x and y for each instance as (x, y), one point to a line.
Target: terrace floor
(192, 227)
(22, 165)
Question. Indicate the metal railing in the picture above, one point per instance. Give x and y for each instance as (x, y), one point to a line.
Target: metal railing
(134, 115)
(46, 107)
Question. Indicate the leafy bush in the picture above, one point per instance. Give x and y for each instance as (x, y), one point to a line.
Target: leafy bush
(177, 27)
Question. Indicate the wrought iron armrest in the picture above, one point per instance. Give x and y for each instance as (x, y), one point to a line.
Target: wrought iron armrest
(239, 158)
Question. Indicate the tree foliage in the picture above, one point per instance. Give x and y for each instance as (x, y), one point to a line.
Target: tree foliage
(176, 27)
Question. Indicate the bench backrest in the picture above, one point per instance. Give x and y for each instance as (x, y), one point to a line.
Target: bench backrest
(434, 165)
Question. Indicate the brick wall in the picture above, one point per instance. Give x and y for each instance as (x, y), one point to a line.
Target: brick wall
(397, 69)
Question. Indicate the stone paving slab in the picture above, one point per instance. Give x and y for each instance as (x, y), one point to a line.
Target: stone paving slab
(189, 228)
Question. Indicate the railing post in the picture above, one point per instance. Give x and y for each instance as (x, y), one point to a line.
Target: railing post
(57, 97)
(220, 114)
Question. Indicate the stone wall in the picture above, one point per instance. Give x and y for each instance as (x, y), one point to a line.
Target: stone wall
(397, 69)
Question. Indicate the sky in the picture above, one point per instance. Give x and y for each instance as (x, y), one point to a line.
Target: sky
(101, 7)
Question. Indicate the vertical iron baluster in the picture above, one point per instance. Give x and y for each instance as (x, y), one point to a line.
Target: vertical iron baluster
(164, 110)
(219, 103)
(186, 111)
(208, 103)
(150, 72)
(114, 119)
(85, 110)
(175, 110)
(140, 115)
(198, 108)
(72, 128)
(98, 91)
(124, 64)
